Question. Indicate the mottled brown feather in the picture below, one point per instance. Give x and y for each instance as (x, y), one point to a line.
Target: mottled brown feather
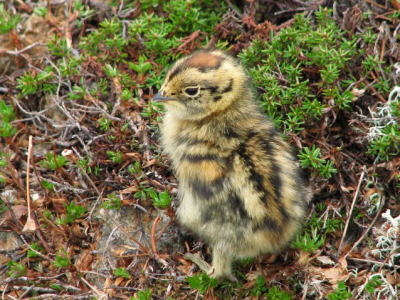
(240, 188)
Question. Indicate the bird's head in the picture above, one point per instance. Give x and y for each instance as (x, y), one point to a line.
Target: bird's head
(203, 84)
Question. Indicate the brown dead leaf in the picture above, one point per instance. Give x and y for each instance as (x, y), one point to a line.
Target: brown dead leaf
(325, 260)
(17, 210)
(118, 281)
(150, 163)
(393, 279)
(131, 189)
(396, 4)
(107, 284)
(186, 267)
(77, 231)
(135, 155)
(58, 204)
(333, 275)
(304, 258)
(84, 260)
(343, 262)
(118, 251)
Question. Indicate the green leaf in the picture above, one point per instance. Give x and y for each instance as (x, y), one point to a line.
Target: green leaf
(201, 282)
(122, 272)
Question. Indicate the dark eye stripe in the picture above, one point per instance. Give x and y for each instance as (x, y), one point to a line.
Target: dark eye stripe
(228, 88)
(213, 89)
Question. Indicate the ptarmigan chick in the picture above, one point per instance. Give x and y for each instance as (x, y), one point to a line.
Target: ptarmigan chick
(240, 188)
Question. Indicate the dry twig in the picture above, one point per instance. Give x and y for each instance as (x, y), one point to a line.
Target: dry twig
(351, 211)
(30, 224)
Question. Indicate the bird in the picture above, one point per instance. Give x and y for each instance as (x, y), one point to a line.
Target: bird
(240, 188)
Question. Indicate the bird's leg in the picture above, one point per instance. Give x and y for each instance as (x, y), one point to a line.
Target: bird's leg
(222, 265)
(202, 264)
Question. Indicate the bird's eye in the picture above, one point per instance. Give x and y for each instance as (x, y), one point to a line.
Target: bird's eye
(191, 91)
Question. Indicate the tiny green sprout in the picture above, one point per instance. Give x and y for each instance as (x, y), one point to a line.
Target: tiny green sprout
(259, 287)
(58, 46)
(202, 282)
(310, 158)
(126, 95)
(122, 272)
(142, 66)
(27, 84)
(161, 200)
(104, 123)
(395, 15)
(135, 168)
(7, 21)
(48, 185)
(96, 170)
(387, 145)
(330, 73)
(340, 293)
(116, 157)
(56, 287)
(6, 129)
(142, 295)
(70, 67)
(112, 202)
(83, 163)
(312, 108)
(368, 36)
(16, 269)
(333, 225)
(383, 86)
(344, 100)
(35, 246)
(309, 242)
(151, 108)
(373, 283)
(154, 79)
(3, 206)
(371, 62)
(53, 161)
(125, 127)
(77, 93)
(40, 11)
(327, 169)
(145, 4)
(31, 84)
(61, 260)
(110, 71)
(275, 293)
(83, 12)
(7, 113)
(47, 214)
(73, 212)
(3, 161)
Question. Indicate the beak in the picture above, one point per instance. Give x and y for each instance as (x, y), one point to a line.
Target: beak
(159, 97)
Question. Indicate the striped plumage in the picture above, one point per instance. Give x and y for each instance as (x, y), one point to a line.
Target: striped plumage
(240, 188)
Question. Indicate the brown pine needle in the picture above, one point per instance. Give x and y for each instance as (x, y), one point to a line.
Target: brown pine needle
(153, 235)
